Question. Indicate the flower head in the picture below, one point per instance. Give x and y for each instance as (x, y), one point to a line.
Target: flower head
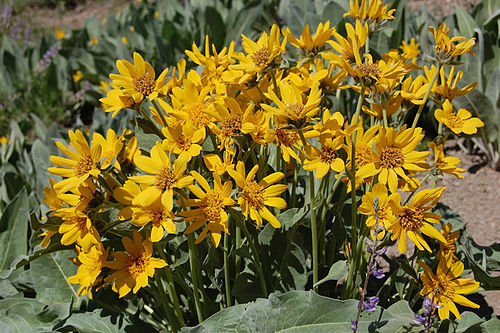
(308, 42)
(447, 49)
(446, 164)
(462, 122)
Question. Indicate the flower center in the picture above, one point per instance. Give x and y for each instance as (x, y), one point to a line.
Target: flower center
(294, 110)
(443, 287)
(261, 57)
(157, 216)
(144, 84)
(369, 70)
(363, 155)
(328, 155)
(137, 265)
(212, 204)
(231, 126)
(197, 115)
(252, 193)
(183, 143)
(286, 137)
(454, 121)
(384, 213)
(165, 180)
(391, 158)
(84, 165)
(411, 219)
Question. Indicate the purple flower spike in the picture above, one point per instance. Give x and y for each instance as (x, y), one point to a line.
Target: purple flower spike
(354, 325)
(370, 304)
(378, 273)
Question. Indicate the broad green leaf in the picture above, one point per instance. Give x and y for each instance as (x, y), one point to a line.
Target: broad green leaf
(92, 322)
(50, 273)
(14, 230)
(465, 22)
(145, 140)
(336, 272)
(291, 216)
(493, 88)
(21, 315)
(304, 311)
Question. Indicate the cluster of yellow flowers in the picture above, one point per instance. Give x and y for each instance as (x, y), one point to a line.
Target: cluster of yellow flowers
(249, 103)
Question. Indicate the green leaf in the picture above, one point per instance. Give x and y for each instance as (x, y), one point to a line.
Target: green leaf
(336, 272)
(145, 140)
(292, 216)
(14, 230)
(304, 311)
(493, 88)
(465, 22)
(20, 315)
(50, 274)
(92, 322)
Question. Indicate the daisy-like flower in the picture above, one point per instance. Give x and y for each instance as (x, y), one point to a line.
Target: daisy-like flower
(447, 88)
(257, 126)
(81, 165)
(90, 265)
(394, 153)
(137, 80)
(77, 76)
(110, 147)
(214, 163)
(164, 178)
(133, 267)
(308, 42)
(414, 218)
(413, 92)
(325, 159)
(410, 51)
(294, 106)
(462, 122)
(375, 13)
(183, 140)
(116, 101)
(446, 164)
(260, 55)
(287, 140)
(255, 196)
(447, 49)
(377, 205)
(210, 209)
(160, 217)
(348, 48)
(448, 250)
(445, 288)
(77, 227)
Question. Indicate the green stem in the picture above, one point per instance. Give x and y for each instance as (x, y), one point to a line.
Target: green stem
(227, 282)
(152, 122)
(194, 276)
(164, 303)
(160, 112)
(421, 107)
(255, 256)
(275, 85)
(384, 113)
(314, 226)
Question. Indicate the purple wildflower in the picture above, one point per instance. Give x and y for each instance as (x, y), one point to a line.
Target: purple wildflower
(354, 325)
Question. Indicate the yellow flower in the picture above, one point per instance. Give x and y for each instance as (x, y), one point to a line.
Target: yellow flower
(94, 41)
(448, 87)
(308, 42)
(183, 140)
(77, 227)
(137, 80)
(116, 101)
(60, 33)
(103, 86)
(90, 265)
(155, 213)
(375, 13)
(257, 125)
(210, 209)
(50, 196)
(287, 140)
(110, 148)
(3, 140)
(213, 65)
(462, 122)
(394, 151)
(77, 76)
(133, 267)
(447, 250)
(156, 14)
(410, 51)
(325, 159)
(447, 49)
(413, 92)
(47, 235)
(124, 40)
(414, 217)
(446, 164)
(81, 165)
(294, 106)
(175, 80)
(377, 205)
(445, 288)
(164, 178)
(260, 55)
(348, 48)
(255, 196)
(216, 165)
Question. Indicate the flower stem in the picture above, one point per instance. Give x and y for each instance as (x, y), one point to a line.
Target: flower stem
(164, 303)
(160, 112)
(227, 282)
(255, 256)
(194, 276)
(421, 107)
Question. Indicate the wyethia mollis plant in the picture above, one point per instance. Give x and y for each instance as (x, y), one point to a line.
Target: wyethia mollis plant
(233, 141)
